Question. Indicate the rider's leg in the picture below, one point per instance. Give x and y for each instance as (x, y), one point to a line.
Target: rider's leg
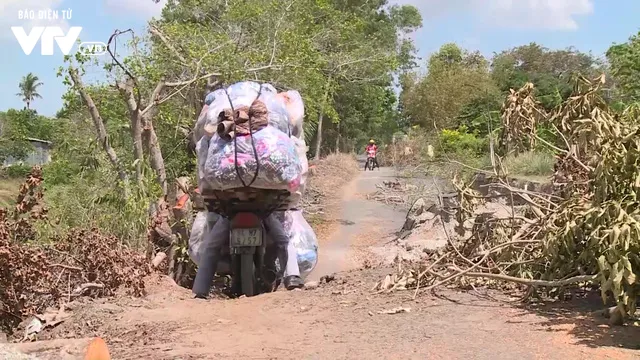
(375, 162)
(290, 259)
(292, 268)
(212, 245)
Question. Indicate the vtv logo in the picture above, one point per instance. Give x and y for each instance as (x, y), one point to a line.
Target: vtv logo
(46, 35)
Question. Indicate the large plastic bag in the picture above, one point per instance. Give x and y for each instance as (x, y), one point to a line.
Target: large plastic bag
(295, 111)
(202, 223)
(301, 149)
(305, 241)
(245, 87)
(202, 149)
(214, 103)
(280, 166)
(243, 94)
(278, 114)
(246, 92)
(303, 238)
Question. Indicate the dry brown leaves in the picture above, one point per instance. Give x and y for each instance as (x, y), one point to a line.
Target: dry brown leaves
(569, 177)
(521, 114)
(83, 262)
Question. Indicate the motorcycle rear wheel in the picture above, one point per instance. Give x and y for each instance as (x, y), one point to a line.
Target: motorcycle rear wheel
(247, 274)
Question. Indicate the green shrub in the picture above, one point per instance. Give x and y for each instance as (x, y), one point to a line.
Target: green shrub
(460, 142)
(17, 171)
(60, 172)
(96, 202)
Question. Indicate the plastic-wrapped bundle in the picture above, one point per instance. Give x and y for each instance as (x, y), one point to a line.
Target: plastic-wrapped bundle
(243, 94)
(202, 149)
(278, 115)
(214, 103)
(301, 149)
(202, 223)
(305, 241)
(246, 92)
(280, 167)
(246, 87)
(295, 111)
(303, 238)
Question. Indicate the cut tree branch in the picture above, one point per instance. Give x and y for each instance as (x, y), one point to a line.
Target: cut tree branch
(530, 282)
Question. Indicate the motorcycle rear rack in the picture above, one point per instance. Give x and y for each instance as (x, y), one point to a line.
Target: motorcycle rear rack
(261, 202)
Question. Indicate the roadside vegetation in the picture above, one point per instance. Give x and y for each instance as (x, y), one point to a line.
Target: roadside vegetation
(122, 144)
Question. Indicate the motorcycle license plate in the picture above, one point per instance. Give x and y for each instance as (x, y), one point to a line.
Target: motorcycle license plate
(245, 237)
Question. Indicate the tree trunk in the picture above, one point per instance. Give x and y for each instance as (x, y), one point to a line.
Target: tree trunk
(320, 118)
(135, 124)
(101, 131)
(142, 131)
(155, 153)
(319, 136)
(337, 148)
(28, 104)
(138, 152)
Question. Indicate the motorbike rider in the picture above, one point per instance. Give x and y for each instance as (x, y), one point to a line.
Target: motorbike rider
(218, 236)
(372, 147)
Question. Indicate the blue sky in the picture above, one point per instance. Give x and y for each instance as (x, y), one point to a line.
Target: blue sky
(486, 25)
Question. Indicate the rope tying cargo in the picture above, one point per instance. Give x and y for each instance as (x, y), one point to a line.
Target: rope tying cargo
(234, 128)
(242, 121)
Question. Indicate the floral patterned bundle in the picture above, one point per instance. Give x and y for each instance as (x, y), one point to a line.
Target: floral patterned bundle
(226, 167)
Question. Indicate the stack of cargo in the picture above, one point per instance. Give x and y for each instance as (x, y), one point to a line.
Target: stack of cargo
(264, 150)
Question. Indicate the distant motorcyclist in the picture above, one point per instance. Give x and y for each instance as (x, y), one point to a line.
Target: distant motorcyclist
(372, 151)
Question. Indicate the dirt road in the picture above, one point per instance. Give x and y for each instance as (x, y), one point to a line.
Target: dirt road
(361, 223)
(341, 320)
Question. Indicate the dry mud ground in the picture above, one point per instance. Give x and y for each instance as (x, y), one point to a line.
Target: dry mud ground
(341, 319)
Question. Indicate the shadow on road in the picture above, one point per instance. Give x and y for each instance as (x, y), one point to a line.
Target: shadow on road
(581, 319)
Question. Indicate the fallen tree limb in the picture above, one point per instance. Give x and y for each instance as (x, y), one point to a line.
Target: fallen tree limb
(81, 289)
(68, 267)
(427, 270)
(531, 282)
(497, 247)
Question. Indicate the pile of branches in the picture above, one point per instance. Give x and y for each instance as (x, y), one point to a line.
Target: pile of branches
(391, 192)
(80, 263)
(587, 236)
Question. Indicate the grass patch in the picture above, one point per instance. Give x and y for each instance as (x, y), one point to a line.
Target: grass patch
(9, 191)
(529, 164)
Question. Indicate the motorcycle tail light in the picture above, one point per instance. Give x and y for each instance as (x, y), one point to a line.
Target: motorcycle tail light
(245, 220)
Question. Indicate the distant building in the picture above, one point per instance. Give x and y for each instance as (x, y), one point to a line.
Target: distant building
(41, 154)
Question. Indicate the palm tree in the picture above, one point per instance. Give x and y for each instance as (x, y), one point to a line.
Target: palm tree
(29, 89)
